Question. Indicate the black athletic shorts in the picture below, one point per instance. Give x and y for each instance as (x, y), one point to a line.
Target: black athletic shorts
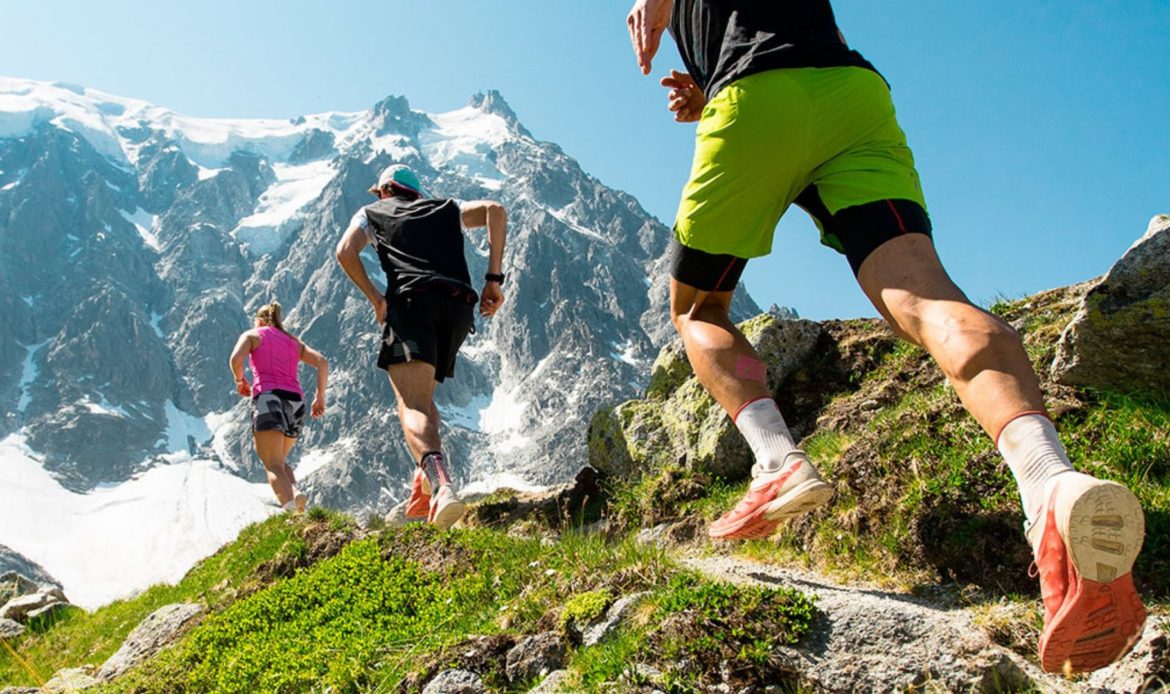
(427, 327)
(279, 410)
(858, 230)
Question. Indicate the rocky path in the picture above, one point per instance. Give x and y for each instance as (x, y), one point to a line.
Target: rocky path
(871, 640)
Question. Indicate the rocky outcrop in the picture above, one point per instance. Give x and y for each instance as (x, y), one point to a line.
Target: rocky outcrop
(1118, 339)
(869, 640)
(158, 630)
(678, 423)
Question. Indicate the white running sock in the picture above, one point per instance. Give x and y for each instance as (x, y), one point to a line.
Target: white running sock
(290, 506)
(1030, 445)
(767, 435)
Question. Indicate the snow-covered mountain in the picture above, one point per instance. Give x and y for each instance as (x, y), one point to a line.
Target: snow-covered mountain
(136, 242)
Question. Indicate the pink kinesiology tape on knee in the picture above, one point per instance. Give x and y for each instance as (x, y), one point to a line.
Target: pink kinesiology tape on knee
(750, 369)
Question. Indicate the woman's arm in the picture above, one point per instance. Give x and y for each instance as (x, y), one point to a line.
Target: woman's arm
(318, 361)
(244, 347)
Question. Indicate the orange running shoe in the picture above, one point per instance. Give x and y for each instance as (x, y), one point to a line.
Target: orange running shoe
(1085, 541)
(418, 506)
(771, 498)
(446, 508)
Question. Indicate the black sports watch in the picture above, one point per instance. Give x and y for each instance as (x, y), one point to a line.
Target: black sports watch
(495, 277)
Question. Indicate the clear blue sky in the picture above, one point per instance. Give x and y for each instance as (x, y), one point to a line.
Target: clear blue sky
(1041, 129)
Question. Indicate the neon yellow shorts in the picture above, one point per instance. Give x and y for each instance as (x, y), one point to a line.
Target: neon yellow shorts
(824, 138)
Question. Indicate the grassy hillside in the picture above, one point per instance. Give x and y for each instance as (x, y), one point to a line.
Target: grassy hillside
(299, 604)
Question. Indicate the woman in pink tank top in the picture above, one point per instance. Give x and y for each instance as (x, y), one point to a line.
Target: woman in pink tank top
(278, 403)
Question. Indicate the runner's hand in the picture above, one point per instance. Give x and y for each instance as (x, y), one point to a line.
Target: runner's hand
(379, 303)
(646, 22)
(243, 388)
(490, 299)
(318, 405)
(685, 98)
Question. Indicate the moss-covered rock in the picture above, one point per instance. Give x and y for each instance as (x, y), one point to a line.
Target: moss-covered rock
(678, 424)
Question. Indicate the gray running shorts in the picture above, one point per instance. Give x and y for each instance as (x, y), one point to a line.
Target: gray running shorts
(279, 410)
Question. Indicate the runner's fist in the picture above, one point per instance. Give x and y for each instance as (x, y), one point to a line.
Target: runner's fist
(318, 406)
(379, 303)
(490, 299)
(243, 388)
(685, 98)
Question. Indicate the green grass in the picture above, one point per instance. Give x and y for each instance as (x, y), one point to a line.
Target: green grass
(81, 637)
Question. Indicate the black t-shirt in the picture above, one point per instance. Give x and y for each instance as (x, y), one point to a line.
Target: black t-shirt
(724, 40)
(420, 244)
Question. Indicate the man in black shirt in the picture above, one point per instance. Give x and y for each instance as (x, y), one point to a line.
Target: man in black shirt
(788, 113)
(426, 312)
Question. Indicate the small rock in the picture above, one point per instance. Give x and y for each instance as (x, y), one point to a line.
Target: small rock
(10, 629)
(160, 628)
(652, 536)
(613, 618)
(455, 682)
(535, 656)
(869, 405)
(557, 682)
(72, 679)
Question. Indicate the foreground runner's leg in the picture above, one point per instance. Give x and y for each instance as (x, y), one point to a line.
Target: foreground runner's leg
(1085, 533)
(784, 483)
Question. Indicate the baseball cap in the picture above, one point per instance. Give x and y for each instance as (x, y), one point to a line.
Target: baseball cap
(399, 175)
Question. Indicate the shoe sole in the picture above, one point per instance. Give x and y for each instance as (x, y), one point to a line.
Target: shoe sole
(1102, 528)
(804, 497)
(451, 512)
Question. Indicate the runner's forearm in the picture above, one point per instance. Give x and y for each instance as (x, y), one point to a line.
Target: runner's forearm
(497, 222)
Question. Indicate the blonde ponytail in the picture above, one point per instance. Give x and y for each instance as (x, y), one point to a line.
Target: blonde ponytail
(271, 315)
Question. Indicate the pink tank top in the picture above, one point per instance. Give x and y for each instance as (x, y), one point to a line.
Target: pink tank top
(275, 361)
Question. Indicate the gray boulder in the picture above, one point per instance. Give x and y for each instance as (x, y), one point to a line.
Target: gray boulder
(1118, 338)
(20, 608)
(14, 585)
(535, 656)
(154, 633)
(10, 629)
(455, 682)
